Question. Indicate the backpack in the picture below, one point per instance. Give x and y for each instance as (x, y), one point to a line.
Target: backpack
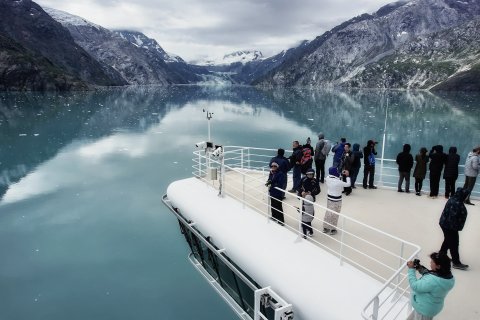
(306, 156)
(327, 146)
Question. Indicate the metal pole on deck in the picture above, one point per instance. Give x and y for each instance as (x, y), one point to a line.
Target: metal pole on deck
(383, 143)
(209, 117)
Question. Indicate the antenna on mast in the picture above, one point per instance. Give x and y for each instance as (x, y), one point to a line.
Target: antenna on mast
(209, 117)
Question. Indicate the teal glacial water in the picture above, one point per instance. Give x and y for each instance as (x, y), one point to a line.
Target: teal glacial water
(83, 231)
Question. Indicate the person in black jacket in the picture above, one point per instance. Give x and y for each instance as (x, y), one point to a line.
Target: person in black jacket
(276, 179)
(405, 164)
(357, 163)
(369, 164)
(295, 164)
(450, 174)
(437, 160)
(309, 185)
(451, 221)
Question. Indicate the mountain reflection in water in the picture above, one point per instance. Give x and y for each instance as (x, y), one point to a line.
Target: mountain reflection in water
(83, 232)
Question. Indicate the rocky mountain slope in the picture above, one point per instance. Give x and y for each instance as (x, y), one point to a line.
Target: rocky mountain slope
(136, 64)
(38, 53)
(178, 68)
(361, 52)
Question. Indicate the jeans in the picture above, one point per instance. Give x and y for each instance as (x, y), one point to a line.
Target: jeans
(353, 175)
(418, 184)
(368, 174)
(307, 228)
(320, 167)
(277, 209)
(406, 176)
(469, 184)
(450, 186)
(434, 183)
(297, 177)
(451, 242)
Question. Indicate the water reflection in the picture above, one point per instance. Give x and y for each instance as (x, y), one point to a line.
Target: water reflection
(35, 127)
(82, 176)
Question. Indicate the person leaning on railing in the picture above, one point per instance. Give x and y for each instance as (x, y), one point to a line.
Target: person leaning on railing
(276, 179)
(429, 291)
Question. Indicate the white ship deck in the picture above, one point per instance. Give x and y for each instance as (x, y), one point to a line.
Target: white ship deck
(406, 216)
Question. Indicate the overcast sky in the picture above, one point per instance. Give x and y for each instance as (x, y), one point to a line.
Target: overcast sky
(207, 28)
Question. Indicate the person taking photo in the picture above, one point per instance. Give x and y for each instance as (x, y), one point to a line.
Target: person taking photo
(429, 291)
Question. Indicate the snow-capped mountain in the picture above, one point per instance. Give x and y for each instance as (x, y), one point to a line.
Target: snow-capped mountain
(142, 41)
(37, 53)
(359, 52)
(242, 57)
(137, 58)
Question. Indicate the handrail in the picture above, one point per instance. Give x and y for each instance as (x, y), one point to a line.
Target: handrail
(249, 162)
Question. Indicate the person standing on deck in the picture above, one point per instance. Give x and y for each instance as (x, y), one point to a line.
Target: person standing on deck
(309, 185)
(452, 221)
(369, 164)
(283, 164)
(450, 174)
(420, 170)
(429, 291)
(346, 163)
(320, 156)
(405, 164)
(334, 199)
(472, 166)
(337, 152)
(357, 163)
(437, 160)
(295, 159)
(308, 212)
(276, 179)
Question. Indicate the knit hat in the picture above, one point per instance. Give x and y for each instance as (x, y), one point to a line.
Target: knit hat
(274, 164)
(333, 172)
(310, 171)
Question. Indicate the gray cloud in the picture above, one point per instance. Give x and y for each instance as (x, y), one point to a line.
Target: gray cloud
(194, 28)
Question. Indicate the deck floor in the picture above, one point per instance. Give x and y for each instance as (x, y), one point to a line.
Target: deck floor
(407, 216)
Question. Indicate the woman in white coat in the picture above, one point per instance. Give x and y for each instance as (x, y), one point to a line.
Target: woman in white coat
(335, 187)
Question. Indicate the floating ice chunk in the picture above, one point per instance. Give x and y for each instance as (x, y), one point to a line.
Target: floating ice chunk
(22, 135)
(37, 250)
(36, 134)
(175, 162)
(154, 113)
(427, 120)
(310, 119)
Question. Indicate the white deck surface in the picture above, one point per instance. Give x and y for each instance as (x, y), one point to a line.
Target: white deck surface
(302, 273)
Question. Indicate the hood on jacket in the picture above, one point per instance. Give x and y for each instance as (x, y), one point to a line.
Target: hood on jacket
(356, 147)
(452, 150)
(461, 194)
(321, 135)
(407, 148)
(438, 148)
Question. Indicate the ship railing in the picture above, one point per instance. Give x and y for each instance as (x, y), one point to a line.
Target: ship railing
(371, 250)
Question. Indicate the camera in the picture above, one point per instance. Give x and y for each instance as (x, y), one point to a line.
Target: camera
(217, 152)
(203, 145)
(269, 183)
(421, 269)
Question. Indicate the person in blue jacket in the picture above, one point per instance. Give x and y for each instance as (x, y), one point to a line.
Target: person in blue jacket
(429, 291)
(276, 179)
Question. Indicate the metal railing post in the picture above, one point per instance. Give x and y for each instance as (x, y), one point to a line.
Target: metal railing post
(300, 210)
(376, 303)
(341, 240)
(248, 158)
(241, 158)
(400, 263)
(200, 165)
(243, 192)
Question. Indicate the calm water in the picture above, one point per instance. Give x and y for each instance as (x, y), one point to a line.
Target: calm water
(83, 231)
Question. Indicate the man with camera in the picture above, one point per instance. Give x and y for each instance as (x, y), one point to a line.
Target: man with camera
(429, 291)
(276, 179)
(369, 153)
